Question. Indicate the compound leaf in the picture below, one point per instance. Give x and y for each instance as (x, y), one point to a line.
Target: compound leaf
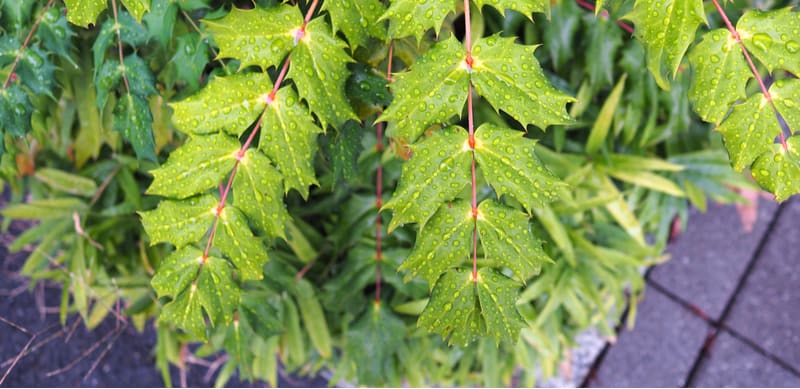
(666, 28)
(196, 285)
(289, 138)
(525, 7)
(749, 131)
(227, 103)
(84, 12)
(180, 222)
(721, 75)
(258, 193)
(433, 90)
(438, 170)
(319, 69)
(497, 295)
(446, 243)
(415, 17)
(200, 164)
(510, 78)
(237, 243)
(772, 37)
(132, 118)
(510, 166)
(778, 169)
(356, 19)
(508, 241)
(259, 36)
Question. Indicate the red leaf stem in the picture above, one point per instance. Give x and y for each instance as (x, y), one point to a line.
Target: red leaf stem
(591, 7)
(379, 190)
(11, 75)
(471, 129)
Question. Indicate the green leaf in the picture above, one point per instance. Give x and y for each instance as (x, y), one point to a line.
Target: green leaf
(721, 75)
(319, 70)
(289, 138)
(190, 59)
(508, 241)
(160, 20)
(313, 318)
(133, 120)
(15, 111)
(445, 243)
(602, 125)
(415, 17)
(749, 131)
(510, 166)
(647, 180)
(345, 151)
(227, 103)
(84, 12)
(356, 19)
(56, 34)
(234, 238)
(67, 182)
(44, 209)
(260, 317)
(137, 8)
(510, 78)
(200, 164)
(666, 28)
(464, 310)
(258, 193)
(772, 37)
(434, 90)
(525, 7)
(130, 32)
(439, 169)
(180, 222)
(778, 170)
(196, 286)
(786, 97)
(140, 78)
(372, 342)
(259, 36)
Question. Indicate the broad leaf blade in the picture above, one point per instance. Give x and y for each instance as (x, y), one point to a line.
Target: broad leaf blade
(454, 311)
(721, 75)
(434, 90)
(180, 222)
(438, 171)
(356, 19)
(415, 17)
(510, 78)
(525, 7)
(84, 12)
(133, 119)
(508, 241)
(137, 8)
(237, 243)
(749, 131)
(258, 193)
(778, 170)
(772, 37)
(497, 295)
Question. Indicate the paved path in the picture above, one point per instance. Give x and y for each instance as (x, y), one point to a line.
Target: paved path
(724, 311)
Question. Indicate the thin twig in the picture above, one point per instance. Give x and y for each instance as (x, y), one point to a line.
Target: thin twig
(119, 45)
(22, 351)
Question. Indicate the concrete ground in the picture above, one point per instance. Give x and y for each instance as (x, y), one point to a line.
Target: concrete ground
(723, 312)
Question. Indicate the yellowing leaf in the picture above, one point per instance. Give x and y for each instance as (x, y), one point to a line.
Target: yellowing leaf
(508, 241)
(289, 138)
(666, 28)
(438, 171)
(434, 90)
(196, 286)
(415, 17)
(200, 164)
(226, 103)
(84, 12)
(259, 36)
(356, 19)
(137, 8)
(180, 222)
(258, 193)
(511, 167)
(772, 37)
(721, 75)
(319, 69)
(510, 78)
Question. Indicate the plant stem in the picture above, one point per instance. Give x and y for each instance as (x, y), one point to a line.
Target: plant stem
(591, 7)
(119, 45)
(471, 128)
(379, 189)
(753, 69)
(204, 36)
(26, 43)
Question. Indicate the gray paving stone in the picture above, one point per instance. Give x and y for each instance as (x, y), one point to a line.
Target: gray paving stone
(710, 256)
(767, 310)
(659, 352)
(733, 363)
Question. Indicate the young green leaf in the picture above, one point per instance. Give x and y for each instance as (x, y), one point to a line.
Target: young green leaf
(749, 131)
(227, 103)
(160, 21)
(358, 20)
(666, 28)
(525, 7)
(445, 243)
(721, 75)
(313, 318)
(319, 70)
(258, 193)
(602, 124)
(778, 170)
(84, 12)
(508, 241)
(510, 78)
(190, 59)
(510, 166)
(289, 138)
(434, 90)
(130, 32)
(438, 171)
(237, 243)
(772, 37)
(259, 36)
(200, 164)
(196, 285)
(415, 17)
(134, 121)
(180, 222)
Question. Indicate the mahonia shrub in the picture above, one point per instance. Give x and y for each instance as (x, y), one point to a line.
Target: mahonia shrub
(398, 192)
